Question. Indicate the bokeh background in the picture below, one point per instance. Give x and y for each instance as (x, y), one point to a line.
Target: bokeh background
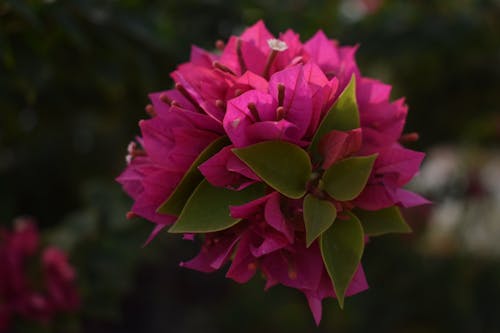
(74, 78)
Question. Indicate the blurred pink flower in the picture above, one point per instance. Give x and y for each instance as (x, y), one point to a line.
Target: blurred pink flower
(32, 296)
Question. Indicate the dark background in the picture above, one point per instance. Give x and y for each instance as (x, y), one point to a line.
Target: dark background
(74, 78)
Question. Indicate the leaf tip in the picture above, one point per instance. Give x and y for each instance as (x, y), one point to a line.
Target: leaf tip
(340, 299)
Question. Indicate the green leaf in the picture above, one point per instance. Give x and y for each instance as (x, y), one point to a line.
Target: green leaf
(346, 179)
(343, 116)
(384, 221)
(342, 248)
(176, 201)
(318, 216)
(207, 210)
(283, 166)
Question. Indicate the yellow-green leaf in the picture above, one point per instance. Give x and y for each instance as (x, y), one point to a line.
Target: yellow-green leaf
(342, 247)
(346, 179)
(207, 209)
(283, 166)
(384, 221)
(176, 201)
(318, 216)
(343, 115)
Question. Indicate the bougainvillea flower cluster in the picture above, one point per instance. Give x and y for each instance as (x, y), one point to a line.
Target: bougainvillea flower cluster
(280, 156)
(34, 284)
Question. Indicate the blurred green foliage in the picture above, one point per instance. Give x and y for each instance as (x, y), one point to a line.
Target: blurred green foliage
(74, 77)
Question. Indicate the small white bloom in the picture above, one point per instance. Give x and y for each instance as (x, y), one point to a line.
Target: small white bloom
(128, 159)
(277, 45)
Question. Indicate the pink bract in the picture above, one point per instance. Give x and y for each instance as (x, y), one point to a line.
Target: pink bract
(260, 89)
(18, 297)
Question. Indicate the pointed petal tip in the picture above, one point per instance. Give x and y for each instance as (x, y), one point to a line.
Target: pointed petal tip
(316, 307)
(154, 233)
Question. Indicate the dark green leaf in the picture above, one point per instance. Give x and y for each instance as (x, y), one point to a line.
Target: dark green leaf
(343, 116)
(207, 210)
(283, 166)
(384, 221)
(174, 204)
(318, 216)
(346, 179)
(342, 248)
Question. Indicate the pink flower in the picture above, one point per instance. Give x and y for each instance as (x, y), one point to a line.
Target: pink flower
(59, 278)
(18, 296)
(394, 167)
(283, 113)
(262, 89)
(171, 142)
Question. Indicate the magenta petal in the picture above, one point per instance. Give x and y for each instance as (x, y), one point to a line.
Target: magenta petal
(379, 115)
(150, 186)
(221, 170)
(325, 289)
(316, 306)
(215, 171)
(292, 40)
(258, 35)
(300, 269)
(409, 199)
(322, 102)
(269, 244)
(347, 66)
(158, 105)
(229, 56)
(234, 164)
(253, 49)
(314, 77)
(249, 80)
(316, 295)
(161, 107)
(323, 51)
(337, 145)
(201, 57)
(285, 58)
(275, 218)
(243, 266)
(238, 117)
(253, 58)
(158, 137)
(204, 87)
(383, 123)
(331, 147)
(157, 229)
(158, 186)
(297, 99)
(249, 209)
(309, 266)
(189, 144)
(272, 130)
(212, 255)
(371, 91)
(400, 161)
(374, 197)
(358, 283)
(146, 208)
(199, 120)
(189, 237)
(172, 141)
(131, 178)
